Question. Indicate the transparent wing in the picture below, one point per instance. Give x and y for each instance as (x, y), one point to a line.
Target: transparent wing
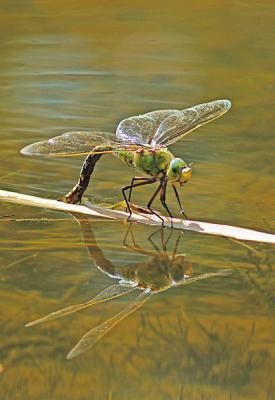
(222, 272)
(142, 128)
(162, 127)
(106, 294)
(180, 123)
(95, 334)
(75, 143)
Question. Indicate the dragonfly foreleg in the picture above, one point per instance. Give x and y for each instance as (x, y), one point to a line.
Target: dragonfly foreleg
(177, 196)
(163, 200)
(75, 195)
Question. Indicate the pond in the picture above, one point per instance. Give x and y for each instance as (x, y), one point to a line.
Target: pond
(85, 66)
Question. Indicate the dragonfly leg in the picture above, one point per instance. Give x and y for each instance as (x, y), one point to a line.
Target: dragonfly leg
(152, 199)
(176, 245)
(154, 244)
(177, 196)
(136, 178)
(146, 181)
(163, 200)
(135, 246)
(75, 195)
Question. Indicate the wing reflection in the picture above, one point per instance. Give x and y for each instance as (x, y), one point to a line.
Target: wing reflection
(160, 272)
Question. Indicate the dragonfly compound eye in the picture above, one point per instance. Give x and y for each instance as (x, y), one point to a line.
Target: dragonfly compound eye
(180, 269)
(178, 172)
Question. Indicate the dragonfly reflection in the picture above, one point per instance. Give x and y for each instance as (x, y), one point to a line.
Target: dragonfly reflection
(160, 273)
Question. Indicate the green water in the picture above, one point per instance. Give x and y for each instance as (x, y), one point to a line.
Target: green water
(87, 65)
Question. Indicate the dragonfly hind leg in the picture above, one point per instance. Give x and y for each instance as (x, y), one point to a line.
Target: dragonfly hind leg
(146, 181)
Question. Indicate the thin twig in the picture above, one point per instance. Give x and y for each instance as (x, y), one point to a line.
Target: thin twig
(195, 226)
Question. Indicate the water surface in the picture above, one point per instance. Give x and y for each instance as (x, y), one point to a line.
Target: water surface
(66, 66)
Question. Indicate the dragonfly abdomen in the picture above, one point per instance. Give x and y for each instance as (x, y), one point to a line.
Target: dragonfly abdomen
(149, 161)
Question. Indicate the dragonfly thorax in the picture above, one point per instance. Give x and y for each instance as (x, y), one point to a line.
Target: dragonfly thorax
(153, 162)
(157, 163)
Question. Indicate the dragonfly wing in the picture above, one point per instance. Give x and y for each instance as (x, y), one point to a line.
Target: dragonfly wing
(57, 146)
(76, 143)
(222, 272)
(95, 334)
(142, 128)
(162, 127)
(106, 294)
(160, 115)
(171, 125)
(94, 138)
(182, 122)
(136, 129)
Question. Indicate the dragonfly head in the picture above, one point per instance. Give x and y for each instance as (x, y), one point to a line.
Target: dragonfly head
(179, 269)
(178, 172)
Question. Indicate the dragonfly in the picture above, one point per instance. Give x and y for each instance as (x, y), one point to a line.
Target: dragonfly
(159, 272)
(140, 142)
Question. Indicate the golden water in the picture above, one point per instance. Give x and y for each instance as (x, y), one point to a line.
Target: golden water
(83, 65)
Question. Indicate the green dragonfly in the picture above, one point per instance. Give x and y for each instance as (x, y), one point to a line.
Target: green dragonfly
(140, 142)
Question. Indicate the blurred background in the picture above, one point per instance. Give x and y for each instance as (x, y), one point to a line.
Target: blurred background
(86, 65)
